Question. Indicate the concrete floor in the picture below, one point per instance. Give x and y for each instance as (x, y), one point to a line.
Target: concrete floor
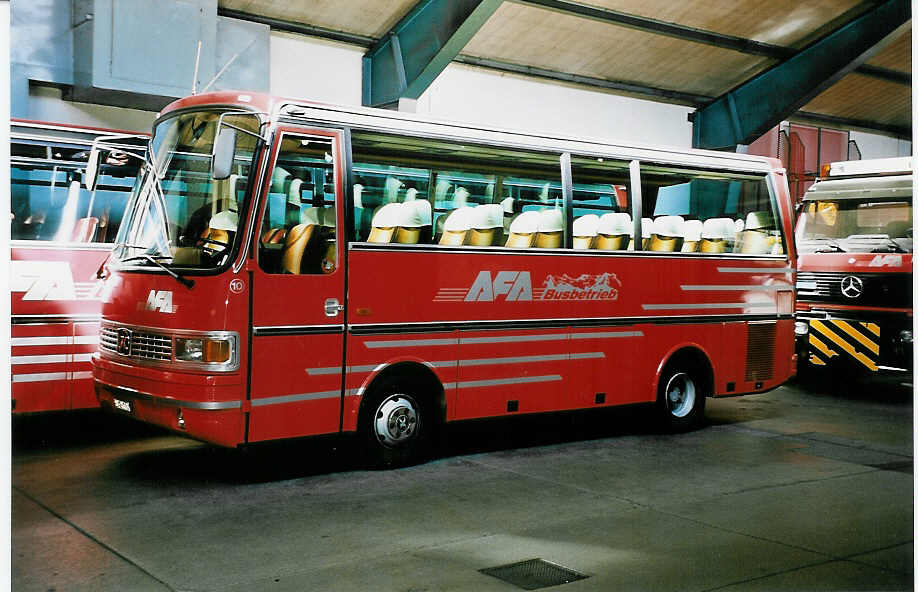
(790, 490)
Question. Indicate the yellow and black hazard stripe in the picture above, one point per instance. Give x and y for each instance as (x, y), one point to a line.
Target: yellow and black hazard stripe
(857, 340)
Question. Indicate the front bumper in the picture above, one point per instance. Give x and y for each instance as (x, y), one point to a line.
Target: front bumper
(862, 343)
(195, 406)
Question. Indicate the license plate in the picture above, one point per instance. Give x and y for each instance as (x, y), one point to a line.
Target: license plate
(122, 405)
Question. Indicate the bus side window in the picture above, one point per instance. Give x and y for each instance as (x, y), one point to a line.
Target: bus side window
(708, 212)
(377, 185)
(297, 234)
(601, 204)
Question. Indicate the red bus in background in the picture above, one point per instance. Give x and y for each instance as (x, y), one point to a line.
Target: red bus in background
(60, 235)
(854, 280)
(293, 269)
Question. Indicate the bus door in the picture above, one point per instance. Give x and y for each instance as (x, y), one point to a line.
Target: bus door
(298, 289)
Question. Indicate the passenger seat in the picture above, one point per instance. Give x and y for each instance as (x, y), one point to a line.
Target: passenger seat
(585, 230)
(613, 232)
(667, 234)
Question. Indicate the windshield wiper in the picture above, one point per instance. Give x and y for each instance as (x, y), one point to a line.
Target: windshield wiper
(154, 259)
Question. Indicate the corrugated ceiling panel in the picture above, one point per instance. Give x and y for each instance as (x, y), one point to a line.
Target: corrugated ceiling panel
(897, 55)
(781, 22)
(873, 100)
(546, 39)
(365, 17)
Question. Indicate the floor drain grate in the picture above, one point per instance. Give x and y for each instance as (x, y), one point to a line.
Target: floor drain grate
(533, 574)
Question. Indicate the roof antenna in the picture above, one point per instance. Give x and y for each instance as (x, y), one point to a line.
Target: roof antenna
(197, 60)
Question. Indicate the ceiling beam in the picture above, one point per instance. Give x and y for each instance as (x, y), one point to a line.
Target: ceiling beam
(409, 57)
(760, 103)
(685, 33)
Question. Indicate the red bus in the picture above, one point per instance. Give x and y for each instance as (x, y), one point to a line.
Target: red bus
(294, 269)
(854, 281)
(60, 234)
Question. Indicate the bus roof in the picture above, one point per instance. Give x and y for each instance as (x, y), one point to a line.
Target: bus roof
(384, 120)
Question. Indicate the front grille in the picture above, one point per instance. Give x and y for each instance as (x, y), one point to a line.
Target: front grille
(144, 344)
(879, 289)
(760, 351)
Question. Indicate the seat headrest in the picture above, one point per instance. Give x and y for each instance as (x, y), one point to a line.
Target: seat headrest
(692, 230)
(507, 205)
(615, 223)
(391, 190)
(551, 221)
(293, 192)
(225, 220)
(759, 220)
(460, 197)
(587, 225)
(487, 216)
(358, 195)
(388, 216)
(669, 226)
(411, 194)
(525, 223)
(719, 228)
(313, 216)
(415, 213)
(459, 220)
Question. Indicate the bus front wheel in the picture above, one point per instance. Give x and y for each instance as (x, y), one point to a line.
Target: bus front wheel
(681, 397)
(396, 426)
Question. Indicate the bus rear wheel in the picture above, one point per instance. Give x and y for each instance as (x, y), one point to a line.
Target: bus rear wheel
(396, 425)
(681, 397)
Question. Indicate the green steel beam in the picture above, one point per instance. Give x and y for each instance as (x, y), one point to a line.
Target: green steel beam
(757, 105)
(409, 57)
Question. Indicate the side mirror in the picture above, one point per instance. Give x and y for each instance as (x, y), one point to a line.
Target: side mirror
(92, 169)
(221, 163)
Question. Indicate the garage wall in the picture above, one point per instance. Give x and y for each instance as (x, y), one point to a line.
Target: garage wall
(329, 71)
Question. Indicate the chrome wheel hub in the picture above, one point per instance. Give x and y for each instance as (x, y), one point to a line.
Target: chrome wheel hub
(680, 394)
(396, 420)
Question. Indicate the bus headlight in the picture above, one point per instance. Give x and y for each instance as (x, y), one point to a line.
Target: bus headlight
(905, 336)
(801, 327)
(205, 350)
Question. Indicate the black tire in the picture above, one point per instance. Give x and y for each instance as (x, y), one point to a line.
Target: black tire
(396, 424)
(681, 396)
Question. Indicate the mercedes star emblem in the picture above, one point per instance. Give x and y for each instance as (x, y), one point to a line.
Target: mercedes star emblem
(852, 286)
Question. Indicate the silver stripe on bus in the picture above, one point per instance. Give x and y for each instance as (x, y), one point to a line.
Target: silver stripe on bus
(606, 334)
(123, 392)
(502, 381)
(709, 305)
(529, 359)
(755, 269)
(51, 359)
(305, 397)
(42, 377)
(771, 288)
(86, 340)
(411, 343)
(454, 363)
(507, 339)
(82, 375)
(512, 338)
(82, 357)
(294, 398)
(41, 341)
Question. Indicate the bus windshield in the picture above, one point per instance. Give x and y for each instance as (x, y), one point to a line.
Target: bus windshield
(179, 215)
(852, 226)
